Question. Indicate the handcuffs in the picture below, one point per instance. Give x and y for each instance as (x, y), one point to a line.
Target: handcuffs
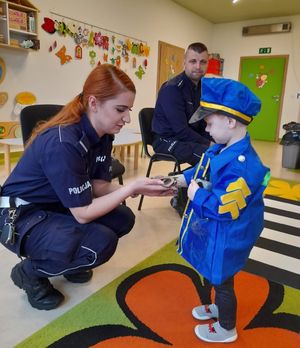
(8, 232)
(170, 181)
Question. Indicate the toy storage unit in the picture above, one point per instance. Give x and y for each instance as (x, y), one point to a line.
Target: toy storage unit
(18, 23)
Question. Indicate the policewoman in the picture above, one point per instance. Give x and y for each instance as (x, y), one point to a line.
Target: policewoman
(59, 210)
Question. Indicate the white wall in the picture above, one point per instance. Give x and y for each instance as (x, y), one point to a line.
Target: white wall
(229, 42)
(41, 73)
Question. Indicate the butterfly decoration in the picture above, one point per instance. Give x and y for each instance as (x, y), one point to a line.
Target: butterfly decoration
(64, 58)
(118, 61)
(61, 28)
(140, 72)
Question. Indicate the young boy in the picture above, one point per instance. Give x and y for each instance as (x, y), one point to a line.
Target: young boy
(224, 214)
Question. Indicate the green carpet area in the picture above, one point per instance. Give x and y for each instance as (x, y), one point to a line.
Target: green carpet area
(111, 315)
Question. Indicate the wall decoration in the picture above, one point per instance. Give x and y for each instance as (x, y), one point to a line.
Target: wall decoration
(92, 55)
(261, 80)
(61, 54)
(117, 48)
(78, 52)
(2, 70)
(3, 98)
(23, 99)
(49, 25)
(140, 72)
(10, 129)
(53, 46)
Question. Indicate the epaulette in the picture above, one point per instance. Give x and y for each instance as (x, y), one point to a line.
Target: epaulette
(80, 142)
(83, 145)
(176, 81)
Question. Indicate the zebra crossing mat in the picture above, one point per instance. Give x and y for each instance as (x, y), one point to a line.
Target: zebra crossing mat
(276, 255)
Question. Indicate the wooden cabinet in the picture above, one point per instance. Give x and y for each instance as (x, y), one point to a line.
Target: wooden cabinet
(18, 24)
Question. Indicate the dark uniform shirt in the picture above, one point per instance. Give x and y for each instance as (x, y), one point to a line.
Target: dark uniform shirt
(60, 164)
(177, 100)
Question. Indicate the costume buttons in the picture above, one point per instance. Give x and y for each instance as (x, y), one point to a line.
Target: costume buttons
(241, 158)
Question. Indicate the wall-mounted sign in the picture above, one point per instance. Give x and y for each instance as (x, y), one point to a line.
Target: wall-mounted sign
(265, 50)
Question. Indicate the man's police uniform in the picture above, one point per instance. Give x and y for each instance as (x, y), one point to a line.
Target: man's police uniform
(177, 100)
(54, 174)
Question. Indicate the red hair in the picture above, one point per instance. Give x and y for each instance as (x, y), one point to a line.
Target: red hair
(104, 82)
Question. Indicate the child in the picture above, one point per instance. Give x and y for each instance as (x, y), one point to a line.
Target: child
(224, 214)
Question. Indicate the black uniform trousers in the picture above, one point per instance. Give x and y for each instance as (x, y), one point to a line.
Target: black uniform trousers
(184, 151)
(55, 243)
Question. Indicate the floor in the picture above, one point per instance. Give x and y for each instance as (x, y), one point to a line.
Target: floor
(156, 224)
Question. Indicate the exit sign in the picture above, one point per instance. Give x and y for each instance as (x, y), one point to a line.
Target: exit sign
(265, 50)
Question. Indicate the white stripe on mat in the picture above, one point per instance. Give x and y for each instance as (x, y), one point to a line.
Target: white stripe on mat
(276, 260)
(282, 205)
(281, 219)
(281, 237)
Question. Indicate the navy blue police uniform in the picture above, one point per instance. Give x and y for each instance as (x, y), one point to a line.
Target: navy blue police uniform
(177, 100)
(54, 174)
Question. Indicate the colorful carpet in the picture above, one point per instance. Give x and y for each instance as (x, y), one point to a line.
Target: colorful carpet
(150, 305)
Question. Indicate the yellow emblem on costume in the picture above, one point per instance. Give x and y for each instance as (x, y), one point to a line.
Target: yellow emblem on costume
(234, 200)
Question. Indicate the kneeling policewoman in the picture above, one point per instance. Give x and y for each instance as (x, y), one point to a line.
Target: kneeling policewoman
(59, 210)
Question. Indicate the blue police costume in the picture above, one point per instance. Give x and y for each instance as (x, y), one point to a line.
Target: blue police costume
(222, 223)
(55, 173)
(177, 100)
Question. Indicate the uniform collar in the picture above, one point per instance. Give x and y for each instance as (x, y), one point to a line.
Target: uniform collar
(191, 83)
(229, 154)
(89, 130)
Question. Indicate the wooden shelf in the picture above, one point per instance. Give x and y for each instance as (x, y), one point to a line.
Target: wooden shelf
(29, 33)
(13, 32)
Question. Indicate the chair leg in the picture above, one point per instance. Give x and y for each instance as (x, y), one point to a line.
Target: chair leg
(147, 175)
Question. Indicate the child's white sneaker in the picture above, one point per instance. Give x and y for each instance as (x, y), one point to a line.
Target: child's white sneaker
(205, 312)
(215, 333)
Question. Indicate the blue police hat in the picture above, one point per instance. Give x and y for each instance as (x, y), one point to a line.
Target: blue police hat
(229, 97)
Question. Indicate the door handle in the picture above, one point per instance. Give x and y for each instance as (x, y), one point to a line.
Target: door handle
(276, 97)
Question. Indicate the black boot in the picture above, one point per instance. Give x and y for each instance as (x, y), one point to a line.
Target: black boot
(40, 292)
(79, 277)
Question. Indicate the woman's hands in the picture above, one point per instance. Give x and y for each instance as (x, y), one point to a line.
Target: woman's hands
(192, 189)
(150, 187)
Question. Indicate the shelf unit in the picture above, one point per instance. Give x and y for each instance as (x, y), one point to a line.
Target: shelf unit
(11, 37)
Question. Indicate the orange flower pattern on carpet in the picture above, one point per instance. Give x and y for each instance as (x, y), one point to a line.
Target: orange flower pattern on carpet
(159, 304)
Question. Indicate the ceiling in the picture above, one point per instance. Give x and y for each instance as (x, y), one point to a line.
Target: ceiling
(224, 11)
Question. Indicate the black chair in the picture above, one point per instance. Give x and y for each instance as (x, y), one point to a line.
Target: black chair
(145, 120)
(32, 114)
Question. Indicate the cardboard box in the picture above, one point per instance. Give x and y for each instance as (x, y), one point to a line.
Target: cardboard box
(17, 19)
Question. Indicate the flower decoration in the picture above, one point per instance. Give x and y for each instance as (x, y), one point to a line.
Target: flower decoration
(158, 300)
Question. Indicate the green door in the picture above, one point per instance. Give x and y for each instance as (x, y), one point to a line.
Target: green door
(265, 76)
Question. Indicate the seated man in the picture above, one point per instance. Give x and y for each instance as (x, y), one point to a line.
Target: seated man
(177, 100)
